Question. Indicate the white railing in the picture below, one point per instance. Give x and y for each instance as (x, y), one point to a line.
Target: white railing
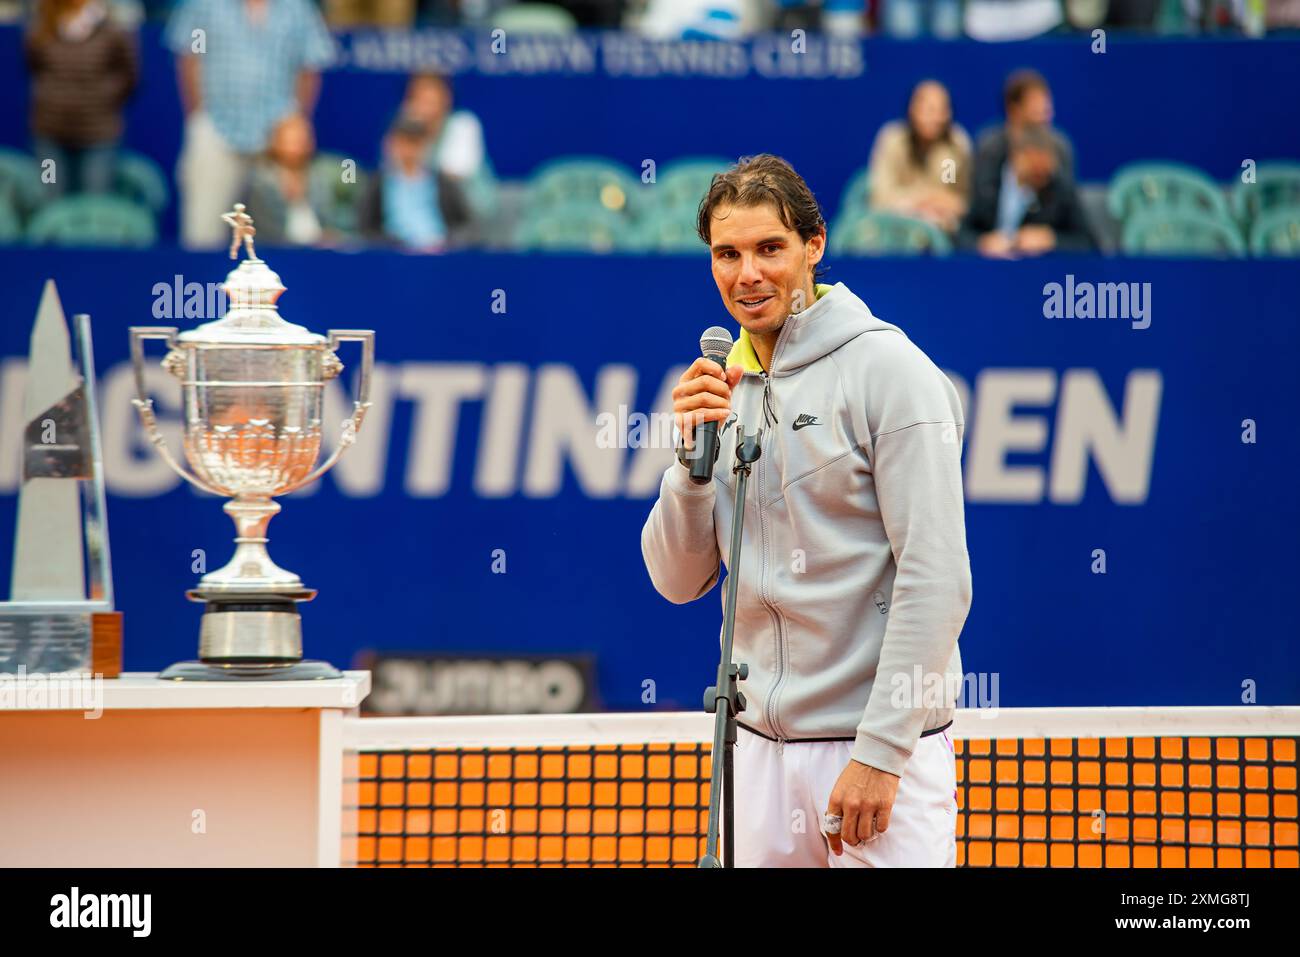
(684, 727)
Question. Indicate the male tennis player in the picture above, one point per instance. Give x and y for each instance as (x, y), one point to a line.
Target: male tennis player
(854, 577)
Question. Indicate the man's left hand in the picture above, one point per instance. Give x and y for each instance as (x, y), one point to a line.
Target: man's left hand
(862, 795)
(1035, 239)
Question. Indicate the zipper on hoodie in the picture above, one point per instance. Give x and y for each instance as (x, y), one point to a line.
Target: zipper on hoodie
(763, 592)
(769, 416)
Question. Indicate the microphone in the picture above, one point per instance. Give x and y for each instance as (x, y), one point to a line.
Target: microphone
(715, 344)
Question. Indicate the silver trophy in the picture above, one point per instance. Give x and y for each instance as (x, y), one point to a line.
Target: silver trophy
(252, 386)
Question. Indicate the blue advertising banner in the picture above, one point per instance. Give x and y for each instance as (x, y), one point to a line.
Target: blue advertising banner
(1130, 462)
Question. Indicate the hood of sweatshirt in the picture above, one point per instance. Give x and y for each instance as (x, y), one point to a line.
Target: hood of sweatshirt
(837, 317)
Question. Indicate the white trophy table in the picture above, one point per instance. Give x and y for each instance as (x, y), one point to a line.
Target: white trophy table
(178, 774)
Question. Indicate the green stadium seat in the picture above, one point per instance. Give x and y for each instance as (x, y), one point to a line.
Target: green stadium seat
(1181, 232)
(534, 18)
(89, 220)
(593, 181)
(1173, 20)
(671, 231)
(1277, 185)
(11, 227)
(1276, 232)
(1139, 187)
(683, 183)
(578, 228)
(20, 182)
(887, 234)
(139, 179)
(856, 198)
(337, 202)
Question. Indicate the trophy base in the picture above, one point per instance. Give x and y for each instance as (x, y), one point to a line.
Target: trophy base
(250, 627)
(250, 671)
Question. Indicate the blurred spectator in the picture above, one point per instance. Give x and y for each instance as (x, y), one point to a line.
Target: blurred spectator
(921, 166)
(279, 192)
(837, 18)
(844, 18)
(243, 66)
(83, 69)
(455, 147)
(1032, 209)
(1283, 14)
(1132, 14)
(597, 14)
(345, 14)
(1011, 19)
(1087, 15)
(912, 18)
(1027, 100)
(409, 203)
(692, 19)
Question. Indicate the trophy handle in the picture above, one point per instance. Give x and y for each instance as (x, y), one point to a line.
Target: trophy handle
(144, 405)
(352, 424)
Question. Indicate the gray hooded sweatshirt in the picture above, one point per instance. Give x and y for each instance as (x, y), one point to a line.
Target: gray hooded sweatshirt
(854, 576)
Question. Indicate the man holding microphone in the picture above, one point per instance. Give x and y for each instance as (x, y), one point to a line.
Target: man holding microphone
(855, 580)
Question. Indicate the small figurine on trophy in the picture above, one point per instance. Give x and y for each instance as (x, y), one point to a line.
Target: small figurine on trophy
(252, 387)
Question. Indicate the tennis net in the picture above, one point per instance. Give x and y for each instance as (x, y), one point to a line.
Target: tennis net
(1089, 787)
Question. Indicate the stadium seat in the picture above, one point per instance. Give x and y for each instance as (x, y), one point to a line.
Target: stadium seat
(20, 182)
(1173, 20)
(586, 180)
(11, 228)
(534, 18)
(1277, 185)
(338, 202)
(887, 234)
(578, 228)
(1138, 187)
(1276, 232)
(670, 231)
(856, 198)
(89, 220)
(1181, 232)
(684, 182)
(139, 179)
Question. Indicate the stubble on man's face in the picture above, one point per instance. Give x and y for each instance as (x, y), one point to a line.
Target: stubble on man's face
(762, 268)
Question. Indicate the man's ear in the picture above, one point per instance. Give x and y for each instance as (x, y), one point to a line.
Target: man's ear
(817, 246)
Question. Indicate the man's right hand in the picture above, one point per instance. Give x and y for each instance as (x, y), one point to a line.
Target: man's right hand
(702, 395)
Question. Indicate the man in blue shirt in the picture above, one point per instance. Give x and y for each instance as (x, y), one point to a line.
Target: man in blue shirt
(406, 203)
(243, 65)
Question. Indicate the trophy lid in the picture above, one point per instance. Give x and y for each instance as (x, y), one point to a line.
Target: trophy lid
(252, 289)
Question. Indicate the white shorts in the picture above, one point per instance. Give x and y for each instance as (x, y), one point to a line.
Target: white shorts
(781, 794)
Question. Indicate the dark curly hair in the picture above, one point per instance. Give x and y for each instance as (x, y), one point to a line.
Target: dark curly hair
(759, 180)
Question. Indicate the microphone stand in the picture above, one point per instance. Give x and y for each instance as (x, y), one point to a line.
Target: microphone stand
(724, 700)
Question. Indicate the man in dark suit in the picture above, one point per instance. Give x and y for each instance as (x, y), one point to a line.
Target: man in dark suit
(409, 205)
(1027, 101)
(1029, 207)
